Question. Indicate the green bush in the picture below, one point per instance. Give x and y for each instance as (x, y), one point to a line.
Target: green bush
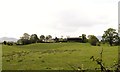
(93, 40)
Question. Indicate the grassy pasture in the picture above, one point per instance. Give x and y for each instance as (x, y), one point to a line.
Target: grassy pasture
(55, 56)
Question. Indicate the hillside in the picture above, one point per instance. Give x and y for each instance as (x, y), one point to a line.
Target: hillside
(8, 39)
(56, 56)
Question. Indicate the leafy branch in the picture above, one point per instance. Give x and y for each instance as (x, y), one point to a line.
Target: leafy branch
(99, 61)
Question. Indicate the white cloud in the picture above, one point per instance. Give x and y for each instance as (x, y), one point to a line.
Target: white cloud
(57, 17)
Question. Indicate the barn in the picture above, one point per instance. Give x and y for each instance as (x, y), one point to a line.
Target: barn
(74, 39)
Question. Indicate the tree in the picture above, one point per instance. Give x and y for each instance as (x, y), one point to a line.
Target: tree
(61, 39)
(84, 39)
(25, 36)
(93, 40)
(34, 38)
(110, 35)
(25, 39)
(23, 42)
(42, 37)
(4, 42)
(10, 43)
(56, 39)
(20, 42)
(48, 37)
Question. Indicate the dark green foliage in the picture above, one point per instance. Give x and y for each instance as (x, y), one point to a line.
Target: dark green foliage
(84, 39)
(4, 42)
(25, 39)
(20, 42)
(10, 43)
(25, 36)
(23, 42)
(60, 39)
(93, 40)
(34, 38)
(110, 36)
(48, 37)
(42, 38)
(56, 39)
(40, 41)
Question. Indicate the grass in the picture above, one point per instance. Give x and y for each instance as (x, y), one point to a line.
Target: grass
(56, 56)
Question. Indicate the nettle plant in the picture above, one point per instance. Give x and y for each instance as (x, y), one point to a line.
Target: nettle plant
(103, 68)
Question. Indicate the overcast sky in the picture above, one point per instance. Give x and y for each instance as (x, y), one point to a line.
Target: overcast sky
(57, 17)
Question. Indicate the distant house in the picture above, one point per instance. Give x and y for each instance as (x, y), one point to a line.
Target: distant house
(74, 39)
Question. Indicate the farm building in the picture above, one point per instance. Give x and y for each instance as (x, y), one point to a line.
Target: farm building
(74, 39)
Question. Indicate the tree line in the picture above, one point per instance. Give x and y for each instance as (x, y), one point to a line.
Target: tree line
(110, 36)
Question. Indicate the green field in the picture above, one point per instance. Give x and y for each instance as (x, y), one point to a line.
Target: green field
(56, 56)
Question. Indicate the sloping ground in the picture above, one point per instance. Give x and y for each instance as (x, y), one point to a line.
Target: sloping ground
(56, 56)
